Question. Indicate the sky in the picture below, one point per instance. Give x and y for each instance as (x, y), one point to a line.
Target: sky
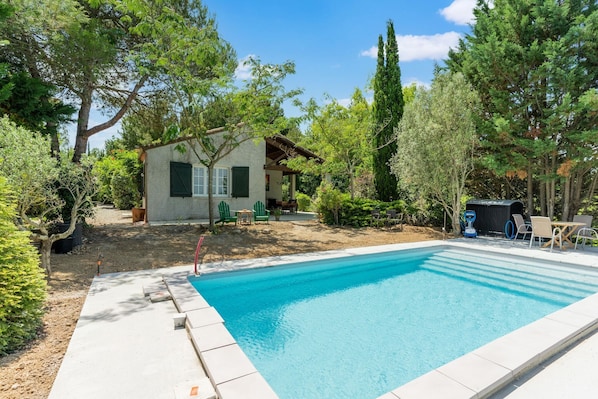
(334, 43)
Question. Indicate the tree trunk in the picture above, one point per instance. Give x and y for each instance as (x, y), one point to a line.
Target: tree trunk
(351, 182)
(82, 123)
(83, 133)
(46, 252)
(566, 198)
(592, 190)
(210, 196)
(46, 240)
(530, 191)
(456, 221)
(54, 141)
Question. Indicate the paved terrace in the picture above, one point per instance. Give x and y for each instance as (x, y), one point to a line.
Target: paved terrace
(126, 346)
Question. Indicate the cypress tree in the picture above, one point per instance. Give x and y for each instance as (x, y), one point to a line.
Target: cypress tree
(388, 111)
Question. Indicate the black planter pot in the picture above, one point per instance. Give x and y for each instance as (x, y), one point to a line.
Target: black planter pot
(67, 244)
(63, 246)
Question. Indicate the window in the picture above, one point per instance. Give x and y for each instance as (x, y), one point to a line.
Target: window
(219, 183)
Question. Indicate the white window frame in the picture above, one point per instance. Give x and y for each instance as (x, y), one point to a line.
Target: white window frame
(220, 183)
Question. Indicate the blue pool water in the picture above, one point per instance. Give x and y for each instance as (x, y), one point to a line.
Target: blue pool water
(361, 326)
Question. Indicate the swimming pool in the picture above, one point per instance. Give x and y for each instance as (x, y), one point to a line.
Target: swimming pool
(358, 327)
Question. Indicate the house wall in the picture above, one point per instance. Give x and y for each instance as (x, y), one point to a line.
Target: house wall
(275, 191)
(160, 206)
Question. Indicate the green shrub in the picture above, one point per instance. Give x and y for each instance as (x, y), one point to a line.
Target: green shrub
(118, 162)
(22, 283)
(357, 212)
(329, 202)
(124, 191)
(105, 169)
(303, 202)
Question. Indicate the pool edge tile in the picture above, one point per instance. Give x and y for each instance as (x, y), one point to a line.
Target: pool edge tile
(434, 385)
(251, 386)
(226, 363)
(211, 337)
(477, 373)
(203, 317)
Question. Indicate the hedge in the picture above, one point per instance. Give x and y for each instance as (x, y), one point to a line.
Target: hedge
(22, 280)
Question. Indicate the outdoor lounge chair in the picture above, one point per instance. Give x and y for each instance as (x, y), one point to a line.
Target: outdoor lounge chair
(392, 217)
(375, 219)
(521, 226)
(584, 233)
(542, 228)
(260, 213)
(225, 216)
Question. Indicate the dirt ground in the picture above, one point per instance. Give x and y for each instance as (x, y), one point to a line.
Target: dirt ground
(123, 246)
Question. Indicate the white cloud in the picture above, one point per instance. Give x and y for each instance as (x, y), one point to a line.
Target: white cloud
(243, 70)
(459, 12)
(417, 48)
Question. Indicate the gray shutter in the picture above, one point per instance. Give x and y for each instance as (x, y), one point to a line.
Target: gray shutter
(180, 179)
(240, 182)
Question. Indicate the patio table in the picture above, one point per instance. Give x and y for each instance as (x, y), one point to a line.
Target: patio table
(567, 230)
(244, 216)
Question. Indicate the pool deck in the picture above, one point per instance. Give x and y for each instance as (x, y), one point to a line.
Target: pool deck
(126, 345)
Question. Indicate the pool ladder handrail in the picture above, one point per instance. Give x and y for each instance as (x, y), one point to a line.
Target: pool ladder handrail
(197, 249)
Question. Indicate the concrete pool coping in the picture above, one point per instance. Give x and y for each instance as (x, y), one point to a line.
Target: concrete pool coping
(475, 375)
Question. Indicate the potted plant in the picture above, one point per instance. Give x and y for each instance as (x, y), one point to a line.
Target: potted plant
(277, 212)
(138, 212)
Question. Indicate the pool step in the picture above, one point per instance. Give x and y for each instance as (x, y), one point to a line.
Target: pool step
(554, 286)
(533, 270)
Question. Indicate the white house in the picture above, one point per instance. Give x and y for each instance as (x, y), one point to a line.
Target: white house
(175, 182)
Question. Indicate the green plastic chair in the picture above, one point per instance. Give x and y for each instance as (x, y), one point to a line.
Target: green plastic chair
(260, 213)
(225, 215)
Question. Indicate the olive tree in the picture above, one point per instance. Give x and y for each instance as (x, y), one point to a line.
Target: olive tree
(38, 178)
(436, 143)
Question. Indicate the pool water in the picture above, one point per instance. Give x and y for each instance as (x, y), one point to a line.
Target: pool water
(360, 326)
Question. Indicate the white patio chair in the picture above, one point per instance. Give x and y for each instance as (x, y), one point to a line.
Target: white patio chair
(584, 233)
(542, 228)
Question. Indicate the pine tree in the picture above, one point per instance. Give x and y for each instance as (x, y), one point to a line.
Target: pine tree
(388, 111)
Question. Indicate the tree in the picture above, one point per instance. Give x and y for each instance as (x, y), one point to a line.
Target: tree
(437, 142)
(340, 135)
(388, 111)
(252, 113)
(105, 52)
(22, 283)
(33, 104)
(534, 64)
(37, 179)
(147, 122)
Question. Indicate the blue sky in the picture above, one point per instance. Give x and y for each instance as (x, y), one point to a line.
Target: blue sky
(333, 43)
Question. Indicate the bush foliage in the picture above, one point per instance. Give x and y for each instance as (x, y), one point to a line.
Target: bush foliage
(336, 208)
(303, 202)
(124, 192)
(22, 283)
(120, 178)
